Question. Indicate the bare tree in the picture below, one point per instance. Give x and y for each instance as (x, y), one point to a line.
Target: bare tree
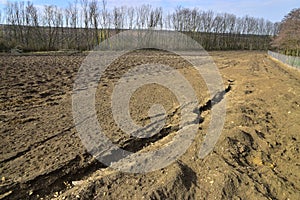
(117, 19)
(74, 20)
(130, 14)
(167, 21)
(94, 16)
(105, 21)
(288, 39)
(33, 34)
(11, 20)
(143, 15)
(207, 20)
(155, 18)
(86, 20)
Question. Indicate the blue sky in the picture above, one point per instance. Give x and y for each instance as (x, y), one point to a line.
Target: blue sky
(273, 10)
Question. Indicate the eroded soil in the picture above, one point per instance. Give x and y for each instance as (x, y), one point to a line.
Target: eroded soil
(256, 157)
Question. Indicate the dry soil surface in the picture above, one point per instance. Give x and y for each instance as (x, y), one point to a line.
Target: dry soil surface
(256, 157)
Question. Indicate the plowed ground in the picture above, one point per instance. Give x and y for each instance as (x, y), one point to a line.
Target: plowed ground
(256, 157)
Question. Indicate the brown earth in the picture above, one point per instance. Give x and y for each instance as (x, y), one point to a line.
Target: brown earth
(256, 157)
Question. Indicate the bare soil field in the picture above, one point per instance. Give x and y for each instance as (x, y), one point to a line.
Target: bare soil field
(256, 157)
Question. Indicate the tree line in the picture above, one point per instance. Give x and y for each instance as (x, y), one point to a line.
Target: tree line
(85, 23)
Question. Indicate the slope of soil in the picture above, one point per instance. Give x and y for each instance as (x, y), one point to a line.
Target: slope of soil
(256, 157)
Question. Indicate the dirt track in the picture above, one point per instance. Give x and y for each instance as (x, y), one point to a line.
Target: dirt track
(256, 157)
